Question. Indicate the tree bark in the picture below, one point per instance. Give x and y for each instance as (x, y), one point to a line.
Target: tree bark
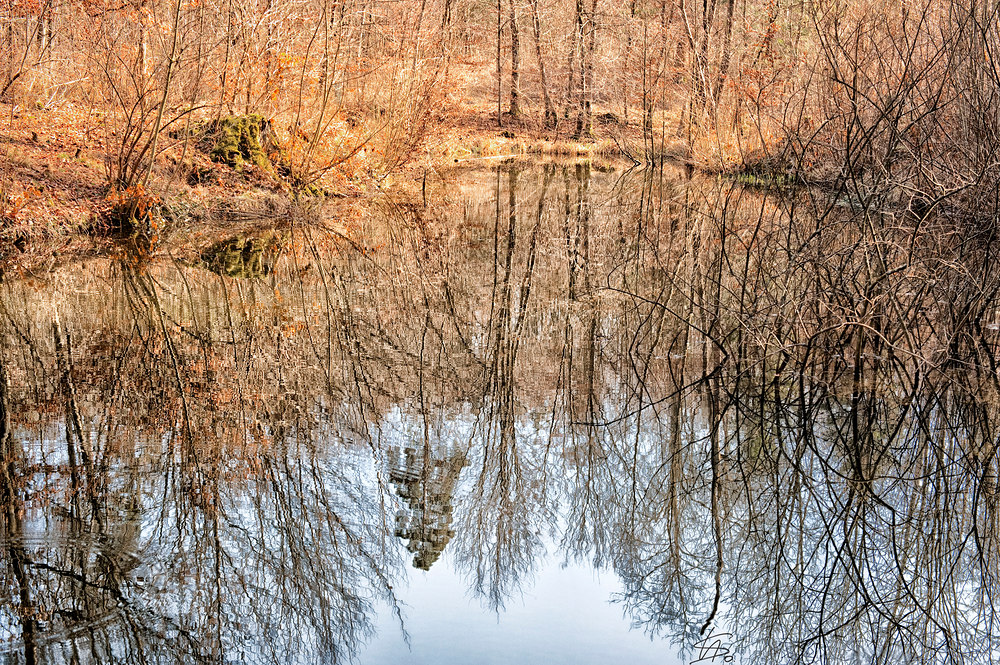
(577, 92)
(587, 40)
(499, 64)
(550, 113)
(576, 47)
(727, 49)
(515, 63)
(588, 101)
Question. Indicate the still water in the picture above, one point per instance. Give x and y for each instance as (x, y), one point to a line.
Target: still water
(541, 413)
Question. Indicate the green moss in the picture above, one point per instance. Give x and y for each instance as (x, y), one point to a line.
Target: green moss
(240, 140)
(765, 174)
(311, 191)
(246, 139)
(244, 257)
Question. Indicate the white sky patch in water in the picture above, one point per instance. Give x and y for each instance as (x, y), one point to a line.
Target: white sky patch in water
(564, 617)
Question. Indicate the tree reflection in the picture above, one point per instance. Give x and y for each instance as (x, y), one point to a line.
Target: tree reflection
(498, 537)
(205, 526)
(768, 413)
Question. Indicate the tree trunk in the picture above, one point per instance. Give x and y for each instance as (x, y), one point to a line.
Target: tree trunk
(625, 62)
(515, 63)
(550, 113)
(10, 54)
(588, 101)
(143, 51)
(499, 64)
(586, 39)
(43, 32)
(446, 35)
(727, 49)
(155, 135)
(576, 47)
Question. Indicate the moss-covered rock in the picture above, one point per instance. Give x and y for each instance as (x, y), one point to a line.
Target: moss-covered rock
(244, 257)
(249, 139)
(240, 140)
(312, 190)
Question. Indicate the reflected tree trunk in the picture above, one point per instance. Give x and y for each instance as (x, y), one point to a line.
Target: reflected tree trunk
(76, 441)
(10, 458)
(550, 113)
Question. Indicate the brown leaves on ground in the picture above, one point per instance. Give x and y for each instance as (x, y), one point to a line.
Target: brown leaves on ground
(51, 169)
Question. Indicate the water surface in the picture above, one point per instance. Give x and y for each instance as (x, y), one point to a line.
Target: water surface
(549, 414)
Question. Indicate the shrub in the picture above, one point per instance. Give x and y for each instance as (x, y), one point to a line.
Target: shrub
(131, 212)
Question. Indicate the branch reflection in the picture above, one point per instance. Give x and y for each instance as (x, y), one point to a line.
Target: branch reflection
(768, 413)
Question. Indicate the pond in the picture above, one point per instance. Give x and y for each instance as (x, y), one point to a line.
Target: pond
(537, 413)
